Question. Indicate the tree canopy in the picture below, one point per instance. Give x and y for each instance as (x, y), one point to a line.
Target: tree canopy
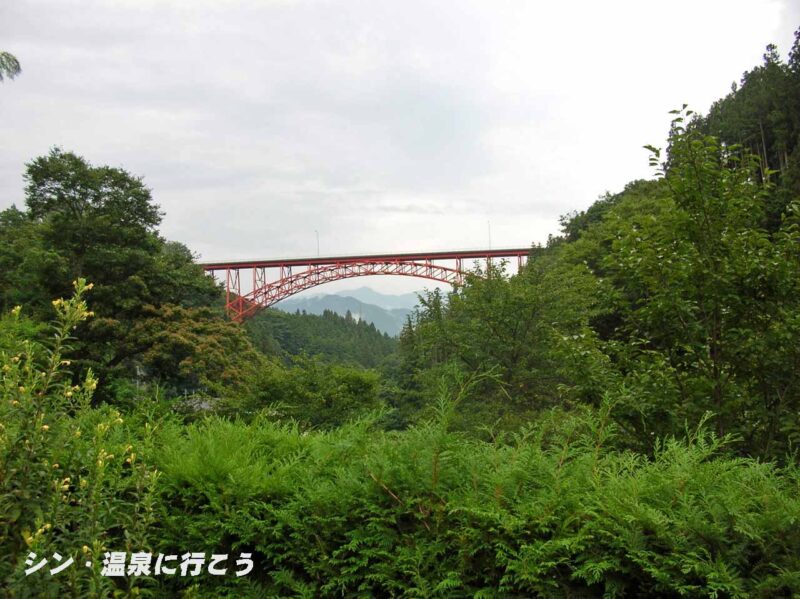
(9, 66)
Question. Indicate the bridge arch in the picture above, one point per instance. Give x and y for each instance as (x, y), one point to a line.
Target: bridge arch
(245, 306)
(245, 298)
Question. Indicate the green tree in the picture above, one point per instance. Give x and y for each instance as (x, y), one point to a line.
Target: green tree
(95, 215)
(509, 327)
(100, 223)
(9, 66)
(762, 114)
(310, 392)
(31, 272)
(332, 337)
(711, 298)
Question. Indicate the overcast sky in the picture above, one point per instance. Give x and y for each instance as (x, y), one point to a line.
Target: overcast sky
(386, 126)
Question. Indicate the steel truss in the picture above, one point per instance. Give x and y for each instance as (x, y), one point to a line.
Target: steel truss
(242, 303)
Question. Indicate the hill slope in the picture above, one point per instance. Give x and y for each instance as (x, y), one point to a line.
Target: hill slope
(335, 338)
(389, 320)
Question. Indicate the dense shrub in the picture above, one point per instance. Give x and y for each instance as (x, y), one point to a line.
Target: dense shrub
(71, 480)
(552, 511)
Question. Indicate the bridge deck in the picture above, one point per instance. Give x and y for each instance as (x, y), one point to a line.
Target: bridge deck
(320, 260)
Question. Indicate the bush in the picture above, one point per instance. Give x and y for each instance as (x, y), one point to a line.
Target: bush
(427, 512)
(71, 480)
(552, 510)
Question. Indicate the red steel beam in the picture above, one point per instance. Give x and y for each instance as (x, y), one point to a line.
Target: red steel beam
(325, 269)
(413, 257)
(242, 307)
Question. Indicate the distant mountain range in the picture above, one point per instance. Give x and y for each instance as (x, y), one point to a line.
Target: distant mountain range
(369, 296)
(387, 312)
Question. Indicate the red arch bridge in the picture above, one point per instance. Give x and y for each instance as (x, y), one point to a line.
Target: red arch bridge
(253, 285)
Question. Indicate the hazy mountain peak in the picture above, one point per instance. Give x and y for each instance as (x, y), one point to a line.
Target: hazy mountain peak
(388, 319)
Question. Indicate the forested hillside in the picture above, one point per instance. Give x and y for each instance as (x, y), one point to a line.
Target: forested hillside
(386, 320)
(621, 418)
(335, 338)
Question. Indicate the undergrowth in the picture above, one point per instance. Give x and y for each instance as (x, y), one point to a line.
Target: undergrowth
(554, 510)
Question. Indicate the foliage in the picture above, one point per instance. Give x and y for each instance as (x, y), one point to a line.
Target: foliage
(671, 298)
(9, 66)
(710, 298)
(330, 336)
(191, 350)
(504, 326)
(575, 224)
(69, 474)
(762, 115)
(552, 511)
(310, 392)
(99, 223)
(29, 266)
